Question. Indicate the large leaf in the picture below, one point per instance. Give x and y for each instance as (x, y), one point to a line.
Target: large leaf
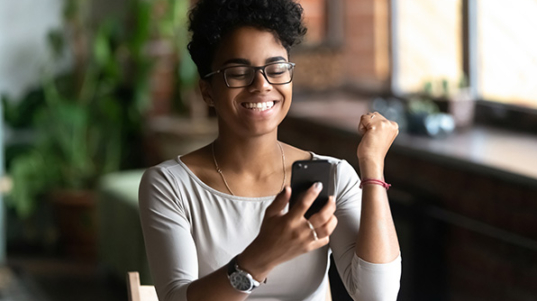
(31, 177)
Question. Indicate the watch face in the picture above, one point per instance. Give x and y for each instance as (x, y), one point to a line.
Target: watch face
(240, 281)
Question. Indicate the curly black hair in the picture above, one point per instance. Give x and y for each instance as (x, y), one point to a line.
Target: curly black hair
(211, 20)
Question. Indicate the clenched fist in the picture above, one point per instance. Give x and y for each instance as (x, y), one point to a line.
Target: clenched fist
(378, 134)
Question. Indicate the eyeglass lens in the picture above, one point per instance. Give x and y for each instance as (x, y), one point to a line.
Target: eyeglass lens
(241, 76)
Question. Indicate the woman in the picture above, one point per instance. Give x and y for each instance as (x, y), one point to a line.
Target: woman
(216, 221)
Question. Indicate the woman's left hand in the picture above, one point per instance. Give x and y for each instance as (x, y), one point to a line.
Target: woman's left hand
(378, 134)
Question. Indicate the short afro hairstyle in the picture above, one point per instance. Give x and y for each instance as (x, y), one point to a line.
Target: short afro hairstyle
(211, 20)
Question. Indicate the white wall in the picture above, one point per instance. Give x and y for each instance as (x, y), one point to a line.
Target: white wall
(24, 25)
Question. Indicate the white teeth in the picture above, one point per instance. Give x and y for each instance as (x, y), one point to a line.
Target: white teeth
(258, 106)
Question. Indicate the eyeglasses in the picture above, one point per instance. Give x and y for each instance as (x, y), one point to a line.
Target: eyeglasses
(278, 73)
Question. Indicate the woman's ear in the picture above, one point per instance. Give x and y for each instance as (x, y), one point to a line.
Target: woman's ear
(206, 92)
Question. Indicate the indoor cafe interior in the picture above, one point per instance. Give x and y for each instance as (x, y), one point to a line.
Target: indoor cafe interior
(95, 92)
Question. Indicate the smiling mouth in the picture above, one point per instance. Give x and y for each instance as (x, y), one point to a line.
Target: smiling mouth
(258, 106)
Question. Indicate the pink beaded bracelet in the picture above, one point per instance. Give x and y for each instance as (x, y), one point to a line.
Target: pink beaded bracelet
(376, 182)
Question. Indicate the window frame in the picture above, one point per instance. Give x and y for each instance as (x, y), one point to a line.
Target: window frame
(487, 111)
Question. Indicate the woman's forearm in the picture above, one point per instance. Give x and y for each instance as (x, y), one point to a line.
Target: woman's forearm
(377, 240)
(215, 286)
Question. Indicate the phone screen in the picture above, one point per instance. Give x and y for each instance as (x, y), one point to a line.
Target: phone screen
(304, 174)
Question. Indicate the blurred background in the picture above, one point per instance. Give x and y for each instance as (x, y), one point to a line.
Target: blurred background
(94, 92)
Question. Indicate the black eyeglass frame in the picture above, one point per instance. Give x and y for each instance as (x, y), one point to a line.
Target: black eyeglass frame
(260, 68)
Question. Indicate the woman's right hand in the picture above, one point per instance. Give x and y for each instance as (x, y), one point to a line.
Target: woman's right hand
(285, 236)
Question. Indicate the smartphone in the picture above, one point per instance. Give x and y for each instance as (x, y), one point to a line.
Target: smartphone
(304, 174)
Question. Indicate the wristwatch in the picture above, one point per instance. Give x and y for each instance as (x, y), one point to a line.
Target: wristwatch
(240, 279)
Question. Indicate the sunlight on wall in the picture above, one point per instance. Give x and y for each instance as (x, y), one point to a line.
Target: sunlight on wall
(508, 51)
(428, 43)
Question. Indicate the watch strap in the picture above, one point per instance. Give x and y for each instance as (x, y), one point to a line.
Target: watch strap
(233, 267)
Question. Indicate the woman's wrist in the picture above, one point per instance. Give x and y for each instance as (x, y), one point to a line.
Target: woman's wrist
(371, 168)
(254, 264)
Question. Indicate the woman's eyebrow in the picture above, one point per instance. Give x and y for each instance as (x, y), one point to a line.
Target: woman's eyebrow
(274, 59)
(247, 62)
(237, 61)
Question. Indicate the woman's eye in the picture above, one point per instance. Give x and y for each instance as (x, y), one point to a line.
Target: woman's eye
(275, 73)
(237, 75)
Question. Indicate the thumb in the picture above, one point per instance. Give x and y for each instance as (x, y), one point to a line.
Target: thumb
(363, 125)
(279, 203)
(361, 129)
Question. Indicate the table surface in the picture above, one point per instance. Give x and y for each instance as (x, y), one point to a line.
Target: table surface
(505, 153)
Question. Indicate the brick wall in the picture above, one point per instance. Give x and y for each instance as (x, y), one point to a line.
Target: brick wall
(361, 59)
(366, 48)
(315, 20)
(318, 69)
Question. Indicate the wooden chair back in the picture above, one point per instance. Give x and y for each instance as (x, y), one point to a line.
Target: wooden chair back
(139, 292)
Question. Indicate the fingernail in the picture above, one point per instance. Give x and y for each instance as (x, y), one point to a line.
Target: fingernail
(318, 186)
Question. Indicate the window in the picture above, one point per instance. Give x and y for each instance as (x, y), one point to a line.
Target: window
(491, 41)
(507, 51)
(427, 44)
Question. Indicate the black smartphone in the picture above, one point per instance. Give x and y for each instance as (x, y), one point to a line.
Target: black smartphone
(304, 174)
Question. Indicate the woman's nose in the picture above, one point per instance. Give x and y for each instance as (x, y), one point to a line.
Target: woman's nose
(260, 82)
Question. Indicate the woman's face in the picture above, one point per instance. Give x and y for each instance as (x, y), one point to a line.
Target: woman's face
(260, 107)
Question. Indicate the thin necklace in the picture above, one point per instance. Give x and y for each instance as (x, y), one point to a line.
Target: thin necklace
(224, 179)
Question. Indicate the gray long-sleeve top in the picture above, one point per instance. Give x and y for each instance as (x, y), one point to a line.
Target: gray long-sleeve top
(191, 230)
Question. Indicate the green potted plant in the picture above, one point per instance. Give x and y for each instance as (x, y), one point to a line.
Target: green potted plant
(72, 150)
(87, 123)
